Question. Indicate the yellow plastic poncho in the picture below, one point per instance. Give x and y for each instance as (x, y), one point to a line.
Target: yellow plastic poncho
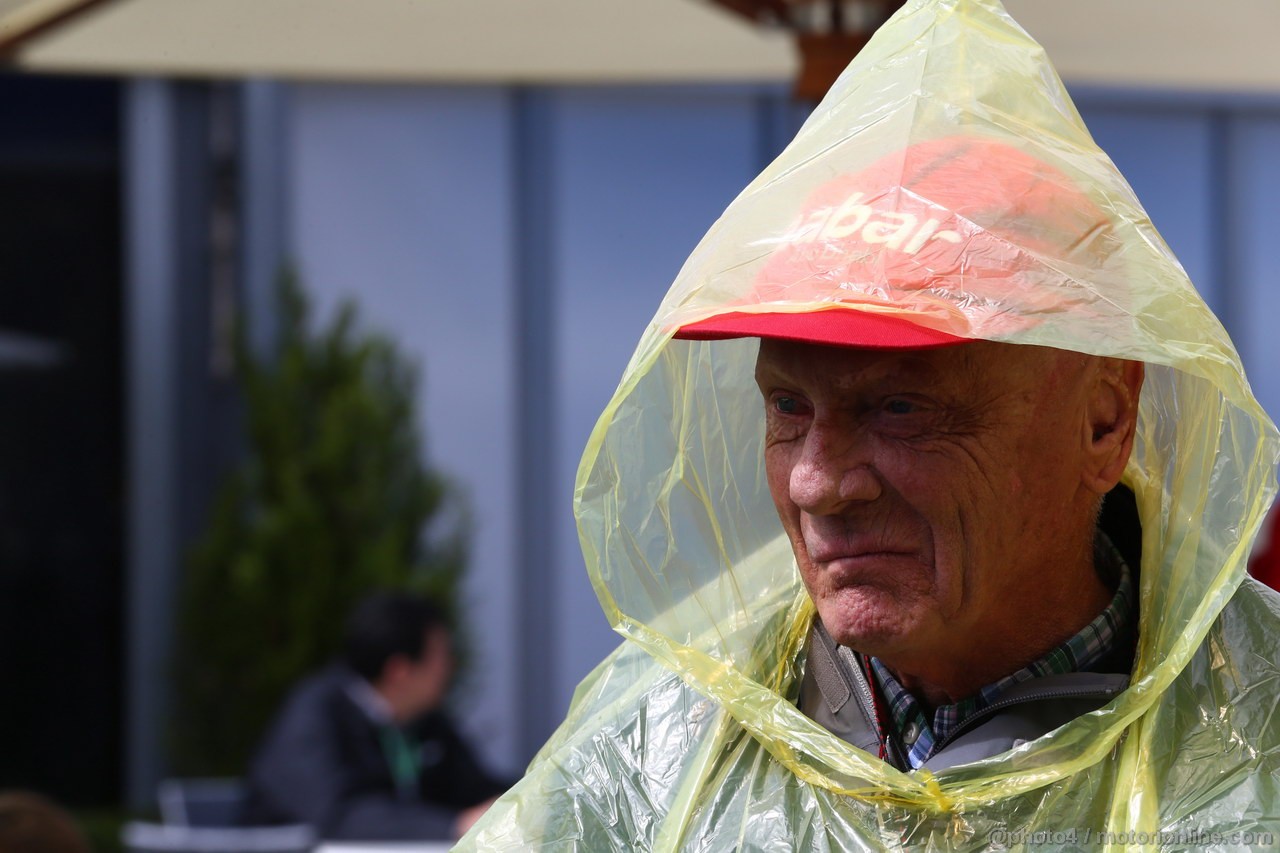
(688, 737)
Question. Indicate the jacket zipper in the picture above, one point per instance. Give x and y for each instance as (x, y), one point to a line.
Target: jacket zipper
(867, 706)
(1000, 704)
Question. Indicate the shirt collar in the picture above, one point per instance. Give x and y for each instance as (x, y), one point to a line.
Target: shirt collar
(1089, 645)
(368, 700)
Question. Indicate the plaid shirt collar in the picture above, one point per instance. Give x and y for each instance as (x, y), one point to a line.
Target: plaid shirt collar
(920, 738)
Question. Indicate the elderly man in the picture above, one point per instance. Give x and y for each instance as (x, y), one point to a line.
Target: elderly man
(941, 505)
(973, 574)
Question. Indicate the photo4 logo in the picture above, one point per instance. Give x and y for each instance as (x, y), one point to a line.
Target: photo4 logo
(1004, 839)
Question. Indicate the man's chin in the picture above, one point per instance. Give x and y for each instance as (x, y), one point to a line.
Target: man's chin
(865, 630)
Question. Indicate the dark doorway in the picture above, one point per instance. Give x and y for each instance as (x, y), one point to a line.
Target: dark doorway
(61, 448)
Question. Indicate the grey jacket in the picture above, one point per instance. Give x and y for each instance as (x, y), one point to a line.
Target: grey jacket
(836, 693)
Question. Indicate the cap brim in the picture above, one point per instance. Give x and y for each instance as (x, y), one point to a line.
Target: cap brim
(834, 327)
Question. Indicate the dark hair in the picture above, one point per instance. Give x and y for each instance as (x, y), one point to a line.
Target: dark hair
(30, 823)
(386, 624)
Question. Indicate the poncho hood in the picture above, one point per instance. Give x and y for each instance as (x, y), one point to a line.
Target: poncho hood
(946, 182)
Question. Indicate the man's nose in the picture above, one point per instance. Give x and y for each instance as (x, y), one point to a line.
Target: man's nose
(835, 469)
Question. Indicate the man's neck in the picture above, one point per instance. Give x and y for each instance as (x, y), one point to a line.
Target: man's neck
(1000, 650)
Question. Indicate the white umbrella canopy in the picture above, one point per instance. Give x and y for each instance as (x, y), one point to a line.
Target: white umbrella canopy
(1177, 44)
(463, 41)
(18, 16)
(1223, 45)
(21, 20)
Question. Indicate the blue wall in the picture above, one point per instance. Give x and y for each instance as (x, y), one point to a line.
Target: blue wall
(401, 199)
(1208, 173)
(519, 241)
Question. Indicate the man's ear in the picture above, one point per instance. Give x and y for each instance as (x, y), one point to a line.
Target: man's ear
(1111, 421)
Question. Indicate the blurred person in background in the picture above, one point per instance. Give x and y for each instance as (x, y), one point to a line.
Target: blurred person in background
(363, 749)
(30, 823)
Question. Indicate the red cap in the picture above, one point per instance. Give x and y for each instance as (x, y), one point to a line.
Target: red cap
(836, 326)
(931, 236)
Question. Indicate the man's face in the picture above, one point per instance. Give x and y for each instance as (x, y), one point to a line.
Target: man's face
(427, 678)
(926, 493)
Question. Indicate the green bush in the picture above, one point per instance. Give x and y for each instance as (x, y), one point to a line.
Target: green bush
(102, 828)
(331, 501)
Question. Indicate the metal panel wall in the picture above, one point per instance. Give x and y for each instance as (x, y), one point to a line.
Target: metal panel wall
(641, 176)
(1170, 159)
(519, 241)
(402, 200)
(1207, 169)
(1252, 247)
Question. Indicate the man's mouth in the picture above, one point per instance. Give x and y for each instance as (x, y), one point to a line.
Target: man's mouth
(871, 567)
(824, 553)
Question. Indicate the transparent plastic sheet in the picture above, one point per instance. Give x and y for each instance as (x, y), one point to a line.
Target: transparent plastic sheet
(688, 737)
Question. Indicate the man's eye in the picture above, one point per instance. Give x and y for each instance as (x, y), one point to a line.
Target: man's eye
(898, 406)
(787, 405)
